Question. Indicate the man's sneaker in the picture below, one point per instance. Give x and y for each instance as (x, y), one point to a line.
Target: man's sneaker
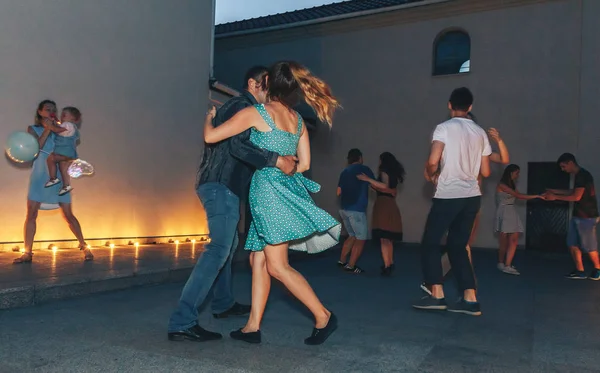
(511, 270)
(468, 308)
(426, 288)
(500, 266)
(428, 302)
(51, 182)
(576, 275)
(355, 269)
(595, 275)
(341, 264)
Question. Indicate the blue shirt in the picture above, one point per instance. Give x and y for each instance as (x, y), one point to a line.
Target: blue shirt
(355, 193)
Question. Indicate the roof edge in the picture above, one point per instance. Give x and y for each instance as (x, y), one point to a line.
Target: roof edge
(329, 19)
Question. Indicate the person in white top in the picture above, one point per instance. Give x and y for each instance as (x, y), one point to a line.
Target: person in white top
(459, 154)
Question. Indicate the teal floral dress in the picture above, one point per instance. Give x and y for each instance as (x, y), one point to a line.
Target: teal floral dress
(282, 208)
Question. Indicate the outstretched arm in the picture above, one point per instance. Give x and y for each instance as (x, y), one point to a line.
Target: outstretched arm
(382, 186)
(573, 196)
(513, 192)
(238, 124)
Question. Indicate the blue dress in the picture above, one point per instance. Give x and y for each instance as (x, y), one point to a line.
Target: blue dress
(66, 145)
(39, 176)
(282, 208)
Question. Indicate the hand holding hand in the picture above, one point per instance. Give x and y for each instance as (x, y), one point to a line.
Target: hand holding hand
(549, 196)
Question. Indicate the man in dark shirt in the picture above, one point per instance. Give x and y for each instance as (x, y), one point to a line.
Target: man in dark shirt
(354, 195)
(223, 179)
(582, 228)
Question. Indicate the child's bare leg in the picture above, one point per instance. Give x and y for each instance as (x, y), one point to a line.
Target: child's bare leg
(51, 162)
(64, 171)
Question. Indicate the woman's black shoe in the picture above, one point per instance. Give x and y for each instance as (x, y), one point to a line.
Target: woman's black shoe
(386, 271)
(252, 337)
(319, 336)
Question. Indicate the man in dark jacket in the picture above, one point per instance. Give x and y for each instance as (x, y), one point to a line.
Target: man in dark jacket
(223, 179)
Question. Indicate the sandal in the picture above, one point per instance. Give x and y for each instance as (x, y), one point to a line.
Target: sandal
(25, 258)
(87, 253)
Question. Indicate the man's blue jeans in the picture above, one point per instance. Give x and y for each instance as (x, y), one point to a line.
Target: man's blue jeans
(223, 213)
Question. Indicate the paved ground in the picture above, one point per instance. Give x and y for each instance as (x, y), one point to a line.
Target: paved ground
(538, 322)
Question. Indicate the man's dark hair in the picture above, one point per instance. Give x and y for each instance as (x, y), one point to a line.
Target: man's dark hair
(461, 99)
(257, 73)
(566, 158)
(354, 155)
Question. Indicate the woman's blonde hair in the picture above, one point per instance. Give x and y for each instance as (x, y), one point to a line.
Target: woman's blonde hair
(288, 80)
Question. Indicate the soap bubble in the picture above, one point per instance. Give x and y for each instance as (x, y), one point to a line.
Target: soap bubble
(79, 168)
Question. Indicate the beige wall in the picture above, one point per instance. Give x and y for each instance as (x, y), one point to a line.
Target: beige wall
(525, 74)
(138, 70)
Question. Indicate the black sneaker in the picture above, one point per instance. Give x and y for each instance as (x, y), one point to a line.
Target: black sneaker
(235, 310)
(341, 264)
(195, 334)
(355, 269)
(595, 275)
(468, 308)
(428, 302)
(576, 275)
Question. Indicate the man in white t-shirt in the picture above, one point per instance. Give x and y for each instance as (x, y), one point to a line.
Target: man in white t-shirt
(459, 153)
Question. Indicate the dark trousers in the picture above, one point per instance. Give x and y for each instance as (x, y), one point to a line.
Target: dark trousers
(455, 216)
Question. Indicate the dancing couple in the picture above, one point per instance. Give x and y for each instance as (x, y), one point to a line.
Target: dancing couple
(260, 131)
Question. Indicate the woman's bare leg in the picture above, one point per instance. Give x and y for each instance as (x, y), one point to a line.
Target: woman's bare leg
(29, 229)
(513, 241)
(73, 222)
(279, 267)
(503, 246)
(387, 252)
(261, 286)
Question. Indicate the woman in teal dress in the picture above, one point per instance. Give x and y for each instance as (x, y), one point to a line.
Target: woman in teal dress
(40, 197)
(283, 212)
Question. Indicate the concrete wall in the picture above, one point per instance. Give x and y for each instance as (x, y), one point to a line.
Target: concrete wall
(138, 70)
(525, 74)
(589, 95)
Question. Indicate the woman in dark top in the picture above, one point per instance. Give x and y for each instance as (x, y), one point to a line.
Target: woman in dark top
(387, 221)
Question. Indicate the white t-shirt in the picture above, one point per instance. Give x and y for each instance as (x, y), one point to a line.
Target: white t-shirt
(70, 129)
(464, 145)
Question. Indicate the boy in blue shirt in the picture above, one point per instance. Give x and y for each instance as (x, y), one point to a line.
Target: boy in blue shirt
(354, 195)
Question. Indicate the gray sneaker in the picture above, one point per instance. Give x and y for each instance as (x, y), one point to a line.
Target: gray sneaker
(511, 270)
(428, 302)
(468, 308)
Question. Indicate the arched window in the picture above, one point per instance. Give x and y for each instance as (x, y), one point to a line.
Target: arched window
(452, 53)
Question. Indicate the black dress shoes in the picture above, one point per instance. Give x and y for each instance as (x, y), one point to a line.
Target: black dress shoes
(196, 334)
(252, 337)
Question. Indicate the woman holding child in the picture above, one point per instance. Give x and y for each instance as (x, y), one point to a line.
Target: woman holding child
(44, 197)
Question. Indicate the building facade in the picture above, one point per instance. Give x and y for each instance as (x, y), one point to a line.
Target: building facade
(532, 66)
(138, 70)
